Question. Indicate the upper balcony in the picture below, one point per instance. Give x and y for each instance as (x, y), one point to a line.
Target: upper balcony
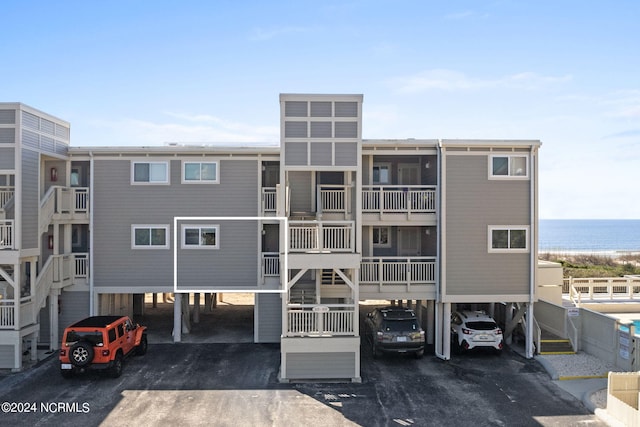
(398, 202)
(69, 204)
(322, 244)
(6, 234)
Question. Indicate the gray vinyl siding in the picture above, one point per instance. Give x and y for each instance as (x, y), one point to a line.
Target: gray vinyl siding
(295, 153)
(7, 117)
(30, 121)
(30, 202)
(295, 129)
(300, 186)
(321, 153)
(6, 356)
(473, 202)
(7, 136)
(118, 205)
(7, 158)
(295, 108)
(320, 109)
(346, 109)
(346, 154)
(30, 139)
(346, 129)
(269, 322)
(74, 306)
(321, 365)
(321, 129)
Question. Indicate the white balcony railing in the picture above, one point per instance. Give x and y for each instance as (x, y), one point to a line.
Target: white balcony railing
(399, 198)
(321, 236)
(72, 200)
(6, 194)
(601, 288)
(270, 264)
(398, 270)
(320, 320)
(269, 199)
(333, 198)
(6, 234)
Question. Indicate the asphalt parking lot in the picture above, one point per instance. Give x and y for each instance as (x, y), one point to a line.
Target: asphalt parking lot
(237, 384)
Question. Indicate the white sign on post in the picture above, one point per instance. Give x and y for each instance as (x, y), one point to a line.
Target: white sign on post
(573, 312)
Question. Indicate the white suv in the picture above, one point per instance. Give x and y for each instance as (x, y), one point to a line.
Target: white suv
(471, 329)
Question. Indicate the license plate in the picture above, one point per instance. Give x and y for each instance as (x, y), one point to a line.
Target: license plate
(483, 337)
(65, 366)
(402, 339)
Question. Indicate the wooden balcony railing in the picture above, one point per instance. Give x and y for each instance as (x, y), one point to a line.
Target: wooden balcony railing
(6, 234)
(399, 198)
(320, 320)
(398, 270)
(321, 236)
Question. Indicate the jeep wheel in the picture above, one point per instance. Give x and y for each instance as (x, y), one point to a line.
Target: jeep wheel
(142, 347)
(116, 367)
(81, 354)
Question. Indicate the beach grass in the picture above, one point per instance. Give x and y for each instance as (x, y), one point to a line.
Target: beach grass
(595, 265)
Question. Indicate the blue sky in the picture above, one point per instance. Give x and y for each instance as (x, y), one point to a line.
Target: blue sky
(150, 72)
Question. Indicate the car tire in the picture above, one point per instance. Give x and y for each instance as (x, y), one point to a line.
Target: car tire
(66, 373)
(141, 349)
(116, 367)
(419, 354)
(81, 354)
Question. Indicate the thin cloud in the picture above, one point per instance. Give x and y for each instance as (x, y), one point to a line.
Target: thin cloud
(451, 80)
(632, 133)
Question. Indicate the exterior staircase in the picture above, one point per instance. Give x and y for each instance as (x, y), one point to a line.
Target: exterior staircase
(551, 344)
(330, 277)
(302, 293)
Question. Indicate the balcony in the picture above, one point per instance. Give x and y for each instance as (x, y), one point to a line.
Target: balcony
(314, 320)
(412, 276)
(395, 200)
(6, 234)
(321, 236)
(269, 201)
(64, 203)
(6, 194)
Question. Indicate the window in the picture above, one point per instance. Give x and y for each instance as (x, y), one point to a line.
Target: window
(381, 173)
(381, 237)
(200, 172)
(150, 236)
(508, 239)
(509, 167)
(200, 237)
(150, 172)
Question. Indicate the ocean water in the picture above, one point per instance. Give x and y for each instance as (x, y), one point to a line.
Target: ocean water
(589, 235)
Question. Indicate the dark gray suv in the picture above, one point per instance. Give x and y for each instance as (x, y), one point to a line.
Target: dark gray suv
(394, 330)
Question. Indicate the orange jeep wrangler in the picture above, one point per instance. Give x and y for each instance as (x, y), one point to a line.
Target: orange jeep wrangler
(100, 342)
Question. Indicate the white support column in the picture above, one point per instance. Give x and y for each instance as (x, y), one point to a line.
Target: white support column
(446, 327)
(177, 317)
(17, 294)
(529, 343)
(431, 317)
(508, 316)
(53, 319)
(196, 307)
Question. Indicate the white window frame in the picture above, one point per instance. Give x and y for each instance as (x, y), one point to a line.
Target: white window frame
(200, 181)
(511, 174)
(167, 236)
(183, 229)
(381, 165)
(137, 162)
(381, 245)
(508, 228)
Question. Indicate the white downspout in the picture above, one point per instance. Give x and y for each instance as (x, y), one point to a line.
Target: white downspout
(92, 302)
(534, 253)
(438, 314)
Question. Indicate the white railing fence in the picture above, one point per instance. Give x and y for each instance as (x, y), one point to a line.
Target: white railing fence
(269, 199)
(6, 194)
(271, 264)
(334, 198)
(320, 320)
(399, 198)
(6, 234)
(397, 270)
(331, 236)
(599, 288)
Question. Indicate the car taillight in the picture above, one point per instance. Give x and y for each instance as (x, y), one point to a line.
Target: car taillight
(498, 331)
(466, 331)
(105, 352)
(380, 336)
(63, 352)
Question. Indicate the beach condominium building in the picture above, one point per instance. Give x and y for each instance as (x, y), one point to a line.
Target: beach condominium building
(311, 227)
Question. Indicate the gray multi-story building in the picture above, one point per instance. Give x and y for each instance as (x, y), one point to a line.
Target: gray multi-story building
(311, 227)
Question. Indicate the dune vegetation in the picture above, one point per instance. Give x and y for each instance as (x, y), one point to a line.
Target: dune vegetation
(595, 265)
